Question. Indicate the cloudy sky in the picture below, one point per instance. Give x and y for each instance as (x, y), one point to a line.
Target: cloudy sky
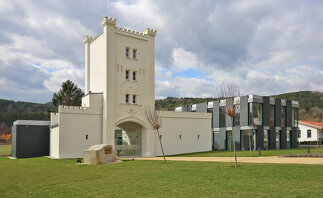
(268, 47)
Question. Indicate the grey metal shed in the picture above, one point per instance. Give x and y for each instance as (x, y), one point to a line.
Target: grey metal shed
(30, 138)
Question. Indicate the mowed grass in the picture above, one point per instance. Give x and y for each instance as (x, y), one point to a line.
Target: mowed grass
(5, 150)
(253, 153)
(43, 177)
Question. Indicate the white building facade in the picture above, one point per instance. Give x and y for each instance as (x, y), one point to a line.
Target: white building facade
(119, 85)
(310, 131)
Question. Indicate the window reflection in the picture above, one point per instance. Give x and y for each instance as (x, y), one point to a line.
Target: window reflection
(248, 139)
(272, 115)
(255, 114)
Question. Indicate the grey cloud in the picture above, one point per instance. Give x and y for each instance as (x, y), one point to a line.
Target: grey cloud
(230, 36)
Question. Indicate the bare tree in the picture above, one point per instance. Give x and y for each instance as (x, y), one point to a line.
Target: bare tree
(228, 93)
(155, 122)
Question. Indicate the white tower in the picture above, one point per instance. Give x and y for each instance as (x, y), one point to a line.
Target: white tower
(120, 64)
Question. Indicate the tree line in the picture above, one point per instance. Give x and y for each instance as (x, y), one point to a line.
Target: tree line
(311, 104)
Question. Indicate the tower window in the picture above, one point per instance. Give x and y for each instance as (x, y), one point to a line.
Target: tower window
(134, 53)
(127, 52)
(127, 98)
(134, 75)
(134, 99)
(127, 74)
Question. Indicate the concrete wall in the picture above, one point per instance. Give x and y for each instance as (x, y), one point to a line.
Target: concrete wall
(283, 138)
(260, 137)
(266, 111)
(201, 108)
(184, 132)
(277, 112)
(216, 114)
(288, 113)
(294, 138)
(244, 113)
(272, 137)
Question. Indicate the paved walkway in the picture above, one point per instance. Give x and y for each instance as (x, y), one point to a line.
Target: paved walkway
(270, 160)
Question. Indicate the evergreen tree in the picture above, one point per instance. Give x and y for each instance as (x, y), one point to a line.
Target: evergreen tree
(69, 95)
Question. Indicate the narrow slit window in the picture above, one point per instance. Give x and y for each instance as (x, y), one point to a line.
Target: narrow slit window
(134, 99)
(180, 136)
(127, 74)
(127, 98)
(134, 53)
(134, 75)
(127, 52)
(86, 136)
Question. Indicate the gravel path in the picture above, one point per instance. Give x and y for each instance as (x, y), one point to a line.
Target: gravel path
(269, 160)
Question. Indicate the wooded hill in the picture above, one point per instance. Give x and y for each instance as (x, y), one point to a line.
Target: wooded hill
(311, 107)
(11, 111)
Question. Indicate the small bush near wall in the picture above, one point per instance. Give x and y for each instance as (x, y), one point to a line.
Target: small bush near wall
(311, 142)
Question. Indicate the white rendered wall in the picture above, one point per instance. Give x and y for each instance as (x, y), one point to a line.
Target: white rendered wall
(189, 126)
(68, 136)
(97, 64)
(303, 130)
(54, 142)
(74, 128)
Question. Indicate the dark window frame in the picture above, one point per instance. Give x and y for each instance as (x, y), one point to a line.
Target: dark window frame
(127, 98)
(127, 74)
(309, 133)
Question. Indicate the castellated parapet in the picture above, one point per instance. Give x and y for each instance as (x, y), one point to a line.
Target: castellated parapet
(78, 110)
(88, 39)
(108, 20)
(150, 32)
(112, 21)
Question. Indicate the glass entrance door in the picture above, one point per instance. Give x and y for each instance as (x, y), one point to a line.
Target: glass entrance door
(128, 139)
(266, 140)
(248, 139)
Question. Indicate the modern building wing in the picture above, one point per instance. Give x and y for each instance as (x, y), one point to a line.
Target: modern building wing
(262, 122)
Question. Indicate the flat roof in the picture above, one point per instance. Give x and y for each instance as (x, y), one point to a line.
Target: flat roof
(32, 122)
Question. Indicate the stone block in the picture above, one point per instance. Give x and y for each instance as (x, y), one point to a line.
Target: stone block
(99, 154)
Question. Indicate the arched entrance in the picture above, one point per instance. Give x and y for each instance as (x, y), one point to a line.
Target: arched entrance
(128, 139)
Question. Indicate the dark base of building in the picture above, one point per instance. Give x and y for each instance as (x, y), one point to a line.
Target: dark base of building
(263, 137)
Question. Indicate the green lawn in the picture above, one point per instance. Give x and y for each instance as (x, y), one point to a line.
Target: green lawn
(247, 153)
(5, 150)
(43, 177)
